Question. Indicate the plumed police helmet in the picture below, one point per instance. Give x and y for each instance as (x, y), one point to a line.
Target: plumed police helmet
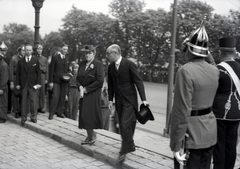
(197, 42)
(3, 47)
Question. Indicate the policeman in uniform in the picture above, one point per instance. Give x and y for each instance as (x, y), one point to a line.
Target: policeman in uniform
(195, 88)
(16, 99)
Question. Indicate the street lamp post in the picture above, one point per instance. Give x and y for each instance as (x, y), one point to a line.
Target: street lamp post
(171, 69)
(37, 4)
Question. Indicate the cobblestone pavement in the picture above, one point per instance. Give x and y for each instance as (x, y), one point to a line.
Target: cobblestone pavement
(21, 148)
(152, 151)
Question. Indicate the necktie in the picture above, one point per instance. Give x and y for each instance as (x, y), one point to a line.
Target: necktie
(28, 59)
(116, 65)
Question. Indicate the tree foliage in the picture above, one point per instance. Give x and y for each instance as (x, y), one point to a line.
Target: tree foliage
(142, 34)
(15, 35)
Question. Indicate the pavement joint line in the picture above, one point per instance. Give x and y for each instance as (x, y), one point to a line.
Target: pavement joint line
(92, 151)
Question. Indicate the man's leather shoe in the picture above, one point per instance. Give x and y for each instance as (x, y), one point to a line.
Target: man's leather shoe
(34, 120)
(61, 116)
(130, 151)
(16, 115)
(23, 122)
(50, 117)
(41, 110)
(2, 121)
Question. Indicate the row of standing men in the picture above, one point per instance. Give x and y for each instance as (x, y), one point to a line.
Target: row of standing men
(80, 85)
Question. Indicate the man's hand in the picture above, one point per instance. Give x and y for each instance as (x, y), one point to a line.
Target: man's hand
(1, 92)
(145, 103)
(180, 158)
(50, 86)
(45, 82)
(18, 87)
(110, 105)
(11, 86)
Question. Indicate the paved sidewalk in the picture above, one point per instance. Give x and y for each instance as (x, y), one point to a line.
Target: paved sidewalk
(152, 151)
(22, 148)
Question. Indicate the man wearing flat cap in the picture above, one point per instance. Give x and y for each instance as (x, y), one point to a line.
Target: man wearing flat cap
(3, 84)
(226, 106)
(193, 131)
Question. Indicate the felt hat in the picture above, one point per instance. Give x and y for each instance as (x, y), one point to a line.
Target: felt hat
(3, 47)
(66, 77)
(197, 42)
(17, 93)
(144, 114)
(88, 48)
(227, 44)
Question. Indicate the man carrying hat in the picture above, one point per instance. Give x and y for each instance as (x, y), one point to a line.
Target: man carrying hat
(16, 100)
(59, 65)
(226, 106)
(123, 80)
(195, 87)
(3, 84)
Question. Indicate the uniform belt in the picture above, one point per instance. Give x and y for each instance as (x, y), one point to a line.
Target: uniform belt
(201, 112)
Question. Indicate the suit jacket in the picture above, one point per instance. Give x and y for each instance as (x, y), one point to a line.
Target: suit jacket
(57, 67)
(28, 72)
(124, 82)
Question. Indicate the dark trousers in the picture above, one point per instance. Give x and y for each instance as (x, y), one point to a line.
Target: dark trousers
(3, 105)
(42, 92)
(127, 123)
(9, 98)
(73, 100)
(29, 98)
(58, 99)
(16, 101)
(224, 154)
(198, 159)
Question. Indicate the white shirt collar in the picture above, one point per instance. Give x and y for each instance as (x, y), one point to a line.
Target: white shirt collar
(30, 57)
(119, 60)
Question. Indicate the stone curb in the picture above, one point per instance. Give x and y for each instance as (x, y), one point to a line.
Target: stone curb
(105, 149)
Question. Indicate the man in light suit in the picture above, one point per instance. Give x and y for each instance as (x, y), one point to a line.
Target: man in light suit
(123, 78)
(28, 80)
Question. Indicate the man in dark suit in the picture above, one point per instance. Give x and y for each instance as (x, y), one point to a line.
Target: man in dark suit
(28, 80)
(59, 65)
(123, 78)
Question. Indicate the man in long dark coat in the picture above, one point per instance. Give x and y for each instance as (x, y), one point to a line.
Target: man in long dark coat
(3, 84)
(123, 78)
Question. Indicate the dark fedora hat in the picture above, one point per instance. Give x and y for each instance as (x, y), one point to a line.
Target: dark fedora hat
(228, 44)
(144, 114)
(88, 48)
(66, 77)
(17, 93)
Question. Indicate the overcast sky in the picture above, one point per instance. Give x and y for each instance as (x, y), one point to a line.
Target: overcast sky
(22, 11)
